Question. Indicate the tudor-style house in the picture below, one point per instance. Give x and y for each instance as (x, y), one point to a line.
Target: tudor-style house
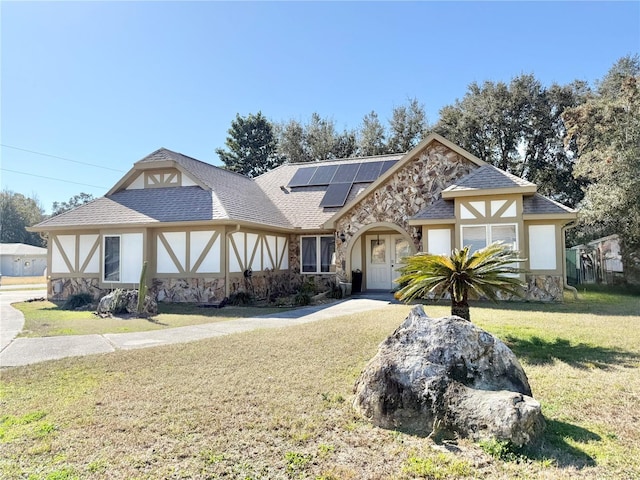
(206, 232)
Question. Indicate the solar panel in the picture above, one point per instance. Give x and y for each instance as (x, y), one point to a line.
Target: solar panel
(368, 172)
(302, 177)
(323, 175)
(346, 173)
(336, 195)
(387, 165)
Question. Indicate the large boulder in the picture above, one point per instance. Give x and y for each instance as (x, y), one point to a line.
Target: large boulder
(126, 302)
(447, 376)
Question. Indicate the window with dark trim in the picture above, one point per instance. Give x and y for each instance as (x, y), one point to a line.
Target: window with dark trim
(111, 258)
(479, 236)
(316, 254)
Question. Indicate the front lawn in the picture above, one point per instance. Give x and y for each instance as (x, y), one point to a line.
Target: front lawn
(275, 404)
(46, 319)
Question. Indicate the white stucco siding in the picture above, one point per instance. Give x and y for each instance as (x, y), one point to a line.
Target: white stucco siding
(254, 247)
(283, 253)
(132, 257)
(58, 264)
(66, 244)
(439, 241)
(235, 259)
(137, 184)
(187, 182)
(257, 251)
(542, 247)
(273, 249)
(174, 242)
(87, 243)
(199, 242)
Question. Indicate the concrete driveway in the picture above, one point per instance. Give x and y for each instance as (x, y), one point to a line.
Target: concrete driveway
(11, 320)
(25, 351)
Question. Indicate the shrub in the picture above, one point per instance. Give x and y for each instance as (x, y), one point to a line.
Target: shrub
(240, 298)
(302, 298)
(78, 300)
(500, 450)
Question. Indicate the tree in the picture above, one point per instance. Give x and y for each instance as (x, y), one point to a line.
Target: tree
(18, 212)
(316, 141)
(75, 201)
(462, 275)
(252, 146)
(606, 130)
(291, 142)
(320, 138)
(519, 128)
(372, 136)
(408, 125)
(346, 145)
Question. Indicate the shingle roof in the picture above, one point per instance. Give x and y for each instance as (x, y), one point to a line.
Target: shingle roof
(143, 206)
(232, 197)
(532, 205)
(265, 200)
(301, 205)
(440, 209)
(21, 249)
(539, 204)
(488, 177)
(240, 196)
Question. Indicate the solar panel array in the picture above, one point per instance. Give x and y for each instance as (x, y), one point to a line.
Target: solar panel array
(339, 178)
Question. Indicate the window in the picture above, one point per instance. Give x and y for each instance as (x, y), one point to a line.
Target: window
(479, 236)
(112, 259)
(317, 254)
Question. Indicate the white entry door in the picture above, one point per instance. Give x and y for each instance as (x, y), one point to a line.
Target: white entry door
(383, 253)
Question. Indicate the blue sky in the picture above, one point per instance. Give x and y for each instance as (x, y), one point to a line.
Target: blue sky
(107, 83)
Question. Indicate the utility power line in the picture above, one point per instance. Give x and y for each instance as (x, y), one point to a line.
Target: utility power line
(51, 178)
(60, 158)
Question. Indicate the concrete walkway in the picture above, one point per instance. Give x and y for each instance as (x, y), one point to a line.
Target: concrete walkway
(25, 351)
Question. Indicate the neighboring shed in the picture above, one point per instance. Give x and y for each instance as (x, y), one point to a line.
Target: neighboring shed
(598, 261)
(20, 260)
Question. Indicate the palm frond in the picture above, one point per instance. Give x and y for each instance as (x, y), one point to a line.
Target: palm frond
(484, 272)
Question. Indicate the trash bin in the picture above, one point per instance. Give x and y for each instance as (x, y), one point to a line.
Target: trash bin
(356, 280)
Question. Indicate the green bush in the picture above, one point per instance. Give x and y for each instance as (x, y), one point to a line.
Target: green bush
(302, 298)
(77, 300)
(500, 449)
(240, 298)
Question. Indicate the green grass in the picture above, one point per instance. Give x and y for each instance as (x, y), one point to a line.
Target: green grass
(45, 319)
(276, 404)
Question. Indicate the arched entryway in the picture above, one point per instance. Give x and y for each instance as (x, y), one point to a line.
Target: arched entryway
(376, 251)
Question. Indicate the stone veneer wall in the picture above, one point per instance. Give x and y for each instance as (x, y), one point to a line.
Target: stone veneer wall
(265, 284)
(191, 290)
(544, 288)
(411, 189)
(72, 286)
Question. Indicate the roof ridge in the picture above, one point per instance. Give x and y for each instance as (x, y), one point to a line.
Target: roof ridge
(347, 159)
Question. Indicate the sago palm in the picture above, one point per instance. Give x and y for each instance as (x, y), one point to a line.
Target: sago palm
(483, 273)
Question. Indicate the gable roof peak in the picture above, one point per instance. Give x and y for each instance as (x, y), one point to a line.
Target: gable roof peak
(488, 179)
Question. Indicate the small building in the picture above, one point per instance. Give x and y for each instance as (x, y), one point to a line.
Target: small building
(20, 260)
(206, 232)
(598, 261)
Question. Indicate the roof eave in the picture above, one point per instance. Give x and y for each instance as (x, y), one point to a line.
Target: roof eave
(452, 193)
(568, 216)
(159, 224)
(431, 221)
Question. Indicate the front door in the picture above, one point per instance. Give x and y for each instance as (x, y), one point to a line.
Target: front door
(383, 253)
